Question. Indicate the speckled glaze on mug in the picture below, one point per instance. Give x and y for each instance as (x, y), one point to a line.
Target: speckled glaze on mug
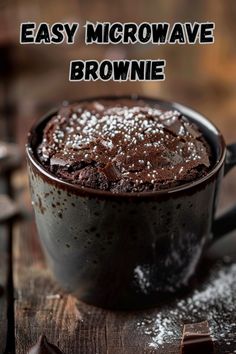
(124, 250)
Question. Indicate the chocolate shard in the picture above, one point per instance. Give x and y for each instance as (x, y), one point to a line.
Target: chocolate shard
(174, 126)
(191, 129)
(197, 339)
(58, 161)
(111, 171)
(44, 347)
(8, 208)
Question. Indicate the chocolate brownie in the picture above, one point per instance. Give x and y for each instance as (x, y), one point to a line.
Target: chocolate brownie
(123, 145)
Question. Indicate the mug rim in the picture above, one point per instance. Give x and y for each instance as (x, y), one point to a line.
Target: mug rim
(92, 192)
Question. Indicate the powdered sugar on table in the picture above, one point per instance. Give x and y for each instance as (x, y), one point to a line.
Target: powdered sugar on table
(214, 301)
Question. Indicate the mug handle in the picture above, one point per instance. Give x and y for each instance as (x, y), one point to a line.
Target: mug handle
(226, 222)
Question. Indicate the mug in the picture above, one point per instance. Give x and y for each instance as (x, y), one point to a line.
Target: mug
(127, 250)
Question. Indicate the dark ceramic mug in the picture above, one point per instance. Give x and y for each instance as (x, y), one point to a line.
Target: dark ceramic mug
(124, 250)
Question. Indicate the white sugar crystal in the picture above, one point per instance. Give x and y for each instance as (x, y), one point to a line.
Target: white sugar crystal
(214, 302)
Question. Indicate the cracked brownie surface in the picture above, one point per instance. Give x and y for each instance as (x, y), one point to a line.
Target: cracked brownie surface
(123, 145)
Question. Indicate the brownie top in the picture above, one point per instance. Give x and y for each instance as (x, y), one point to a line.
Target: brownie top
(123, 145)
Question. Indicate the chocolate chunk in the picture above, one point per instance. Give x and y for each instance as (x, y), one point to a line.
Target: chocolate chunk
(91, 177)
(111, 172)
(174, 126)
(58, 161)
(191, 129)
(8, 208)
(197, 339)
(44, 347)
(73, 160)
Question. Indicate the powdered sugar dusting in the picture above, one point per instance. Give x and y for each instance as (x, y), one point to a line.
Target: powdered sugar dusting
(149, 148)
(214, 302)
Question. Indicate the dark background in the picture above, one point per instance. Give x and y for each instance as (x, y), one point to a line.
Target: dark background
(34, 78)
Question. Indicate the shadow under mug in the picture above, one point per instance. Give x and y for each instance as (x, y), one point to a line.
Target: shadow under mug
(126, 250)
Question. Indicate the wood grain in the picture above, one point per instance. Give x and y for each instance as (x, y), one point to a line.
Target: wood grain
(42, 307)
(6, 294)
(3, 287)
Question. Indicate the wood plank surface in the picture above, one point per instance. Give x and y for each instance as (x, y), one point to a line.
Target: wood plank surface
(7, 338)
(3, 288)
(4, 268)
